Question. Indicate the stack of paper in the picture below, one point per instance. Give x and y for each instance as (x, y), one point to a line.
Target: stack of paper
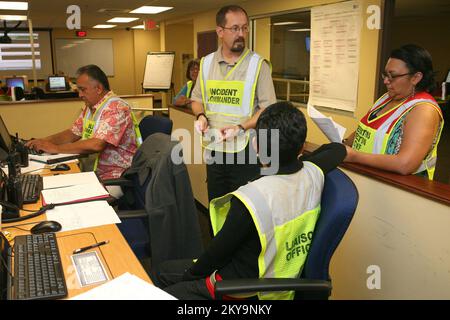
(334, 131)
(125, 287)
(83, 215)
(74, 194)
(72, 188)
(66, 180)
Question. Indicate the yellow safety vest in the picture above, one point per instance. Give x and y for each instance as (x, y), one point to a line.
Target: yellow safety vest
(284, 209)
(91, 122)
(189, 88)
(228, 100)
(379, 135)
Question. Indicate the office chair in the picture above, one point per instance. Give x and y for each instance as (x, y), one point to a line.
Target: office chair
(158, 212)
(338, 204)
(151, 124)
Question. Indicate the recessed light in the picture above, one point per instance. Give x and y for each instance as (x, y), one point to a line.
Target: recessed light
(104, 26)
(13, 18)
(300, 30)
(141, 26)
(13, 5)
(286, 23)
(121, 20)
(150, 9)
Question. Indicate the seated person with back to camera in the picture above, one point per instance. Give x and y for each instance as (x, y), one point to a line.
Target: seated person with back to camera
(105, 129)
(241, 226)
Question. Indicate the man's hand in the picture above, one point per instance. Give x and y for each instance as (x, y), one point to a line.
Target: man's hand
(43, 145)
(201, 125)
(229, 132)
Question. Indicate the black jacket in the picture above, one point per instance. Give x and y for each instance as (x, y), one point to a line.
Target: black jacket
(174, 227)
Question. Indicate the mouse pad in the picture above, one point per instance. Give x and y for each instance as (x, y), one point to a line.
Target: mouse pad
(89, 268)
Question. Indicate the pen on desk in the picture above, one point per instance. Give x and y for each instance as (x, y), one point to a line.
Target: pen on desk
(95, 245)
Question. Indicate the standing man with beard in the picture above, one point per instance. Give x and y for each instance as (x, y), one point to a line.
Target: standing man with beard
(234, 86)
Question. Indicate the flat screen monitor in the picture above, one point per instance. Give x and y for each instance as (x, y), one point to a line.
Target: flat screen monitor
(5, 138)
(56, 83)
(16, 82)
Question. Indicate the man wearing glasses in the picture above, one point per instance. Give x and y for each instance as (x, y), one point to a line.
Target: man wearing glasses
(235, 85)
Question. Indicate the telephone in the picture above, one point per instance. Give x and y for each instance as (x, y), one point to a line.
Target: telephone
(11, 200)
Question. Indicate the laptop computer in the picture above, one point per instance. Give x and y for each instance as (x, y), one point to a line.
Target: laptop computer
(56, 83)
(6, 143)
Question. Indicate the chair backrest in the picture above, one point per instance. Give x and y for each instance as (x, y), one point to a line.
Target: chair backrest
(152, 124)
(338, 204)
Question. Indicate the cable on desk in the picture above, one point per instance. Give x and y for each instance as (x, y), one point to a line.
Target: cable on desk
(42, 210)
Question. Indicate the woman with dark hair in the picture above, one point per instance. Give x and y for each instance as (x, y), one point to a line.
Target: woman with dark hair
(401, 131)
(184, 96)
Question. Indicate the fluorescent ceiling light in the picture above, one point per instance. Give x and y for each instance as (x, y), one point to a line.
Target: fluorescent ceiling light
(286, 23)
(12, 18)
(104, 26)
(121, 20)
(141, 26)
(300, 30)
(150, 9)
(13, 5)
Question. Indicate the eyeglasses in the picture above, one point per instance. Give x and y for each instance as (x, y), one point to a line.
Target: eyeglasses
(236, 29)
(391, 77)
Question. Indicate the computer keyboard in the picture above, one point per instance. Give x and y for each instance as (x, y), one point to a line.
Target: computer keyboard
(34, 152)
(38, 272)
(31, 187)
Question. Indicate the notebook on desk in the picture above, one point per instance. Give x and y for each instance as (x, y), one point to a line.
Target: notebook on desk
(55, 158)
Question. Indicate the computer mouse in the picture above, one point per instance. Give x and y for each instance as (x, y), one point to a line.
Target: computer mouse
(46, 226)
(61, 167)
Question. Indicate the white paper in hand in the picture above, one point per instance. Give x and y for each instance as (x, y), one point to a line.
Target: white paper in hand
(334, 131)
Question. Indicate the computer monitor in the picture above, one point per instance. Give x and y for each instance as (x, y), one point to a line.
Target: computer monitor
(16, 82)
(5, 139)
(56, 83)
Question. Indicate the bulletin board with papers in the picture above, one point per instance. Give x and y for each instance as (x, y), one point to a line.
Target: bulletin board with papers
(335, 49)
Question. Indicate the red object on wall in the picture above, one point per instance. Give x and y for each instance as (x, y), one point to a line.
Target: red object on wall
(149, 24)
(81, 34)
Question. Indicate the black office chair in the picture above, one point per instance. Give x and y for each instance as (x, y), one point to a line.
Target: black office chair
(151, 124)
(156, 224)
(134, 226)
(338, 204)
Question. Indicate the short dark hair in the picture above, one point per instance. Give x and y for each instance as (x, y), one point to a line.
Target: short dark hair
(221, 20)
(292, 129)
(191, 64)
(417, 59)
(94, 72)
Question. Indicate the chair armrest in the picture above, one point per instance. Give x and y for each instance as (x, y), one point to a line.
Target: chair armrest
(123, 182)
(132, 214)
(271, 284)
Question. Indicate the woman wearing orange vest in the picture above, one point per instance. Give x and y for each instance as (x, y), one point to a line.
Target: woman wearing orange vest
(401, 131)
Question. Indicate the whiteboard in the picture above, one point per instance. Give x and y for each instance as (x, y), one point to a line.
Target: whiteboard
(72, 54)
(158, 70)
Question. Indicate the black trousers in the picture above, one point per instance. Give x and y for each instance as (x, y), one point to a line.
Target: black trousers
(230, 171)
(169, 277)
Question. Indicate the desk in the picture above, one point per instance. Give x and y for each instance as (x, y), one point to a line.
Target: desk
(116, 256)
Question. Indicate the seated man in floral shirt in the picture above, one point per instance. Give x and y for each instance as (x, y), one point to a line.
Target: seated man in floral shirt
(106, 128)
